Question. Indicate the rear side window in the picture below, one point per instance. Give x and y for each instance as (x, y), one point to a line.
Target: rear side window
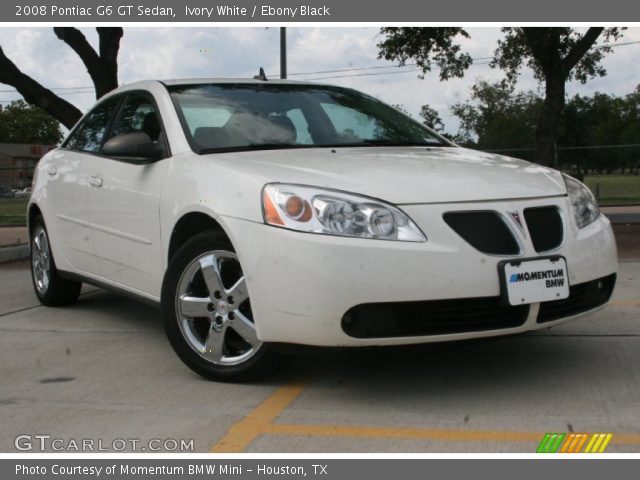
(90, 134)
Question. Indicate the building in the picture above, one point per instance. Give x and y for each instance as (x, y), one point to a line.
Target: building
(18, 161)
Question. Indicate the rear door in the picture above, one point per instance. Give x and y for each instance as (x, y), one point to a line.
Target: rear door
(125, 203)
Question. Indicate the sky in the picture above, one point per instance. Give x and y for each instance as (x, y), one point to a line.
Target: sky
(187, 52)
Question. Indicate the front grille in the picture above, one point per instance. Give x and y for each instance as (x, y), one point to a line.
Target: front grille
(437, 317)
(545, 227)
(582, 297)
(484, 230)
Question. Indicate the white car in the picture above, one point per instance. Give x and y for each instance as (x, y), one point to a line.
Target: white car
(260, 213)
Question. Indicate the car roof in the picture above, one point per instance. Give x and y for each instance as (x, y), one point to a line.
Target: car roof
(203, 81)
(148, 84)
(153, 84)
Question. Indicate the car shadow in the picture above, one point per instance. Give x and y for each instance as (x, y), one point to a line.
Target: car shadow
(507, 366)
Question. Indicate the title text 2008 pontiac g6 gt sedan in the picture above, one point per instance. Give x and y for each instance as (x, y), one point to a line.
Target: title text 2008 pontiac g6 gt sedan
(267, 212)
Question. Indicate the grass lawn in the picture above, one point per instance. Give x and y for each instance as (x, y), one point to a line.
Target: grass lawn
(615, 189)
(13, 211)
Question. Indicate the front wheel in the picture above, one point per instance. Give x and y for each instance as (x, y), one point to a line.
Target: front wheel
(207, 312)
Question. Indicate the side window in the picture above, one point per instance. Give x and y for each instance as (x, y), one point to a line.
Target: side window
(138, 114)
(89, 135)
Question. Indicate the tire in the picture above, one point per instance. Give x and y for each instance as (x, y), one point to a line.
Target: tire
(207, 312)
(51, 289)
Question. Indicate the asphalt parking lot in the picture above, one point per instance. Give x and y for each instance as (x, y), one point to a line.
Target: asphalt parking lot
(103, 370)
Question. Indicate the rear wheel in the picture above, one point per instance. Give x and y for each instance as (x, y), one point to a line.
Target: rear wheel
(207, 312)
(49, 287)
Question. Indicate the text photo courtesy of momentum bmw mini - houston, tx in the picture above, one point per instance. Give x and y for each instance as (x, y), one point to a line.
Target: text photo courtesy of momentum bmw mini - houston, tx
(309, 239)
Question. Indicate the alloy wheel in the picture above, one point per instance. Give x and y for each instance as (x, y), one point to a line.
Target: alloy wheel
(214, 311)
(41, 260)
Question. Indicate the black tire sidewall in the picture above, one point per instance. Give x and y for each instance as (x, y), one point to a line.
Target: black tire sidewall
(259, 364)
(60, 291)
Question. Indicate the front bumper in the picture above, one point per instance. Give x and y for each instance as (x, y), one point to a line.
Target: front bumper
(302, 285)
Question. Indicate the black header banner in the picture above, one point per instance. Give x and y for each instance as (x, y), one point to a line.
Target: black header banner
(315, 469)
(315, 11)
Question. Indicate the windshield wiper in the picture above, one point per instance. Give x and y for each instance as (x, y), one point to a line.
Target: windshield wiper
(278, 146)
(403, 143)
(249, 148)
(384, 143)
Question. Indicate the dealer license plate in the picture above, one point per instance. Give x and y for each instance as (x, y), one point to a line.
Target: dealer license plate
(532, 281)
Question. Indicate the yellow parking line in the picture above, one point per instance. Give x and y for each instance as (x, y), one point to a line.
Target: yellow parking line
(422, 434)
(625, 439)
(403, 433)
(246, 430)
(260, 421)
(625, 303)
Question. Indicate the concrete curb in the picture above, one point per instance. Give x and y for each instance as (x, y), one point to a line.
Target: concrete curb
(9, 254)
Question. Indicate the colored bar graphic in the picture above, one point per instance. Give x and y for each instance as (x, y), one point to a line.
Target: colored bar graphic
(581, 443)
(556, 445)
(596, 446)
(605, 442)
(550, 443)
(542, 448)
(591, 442)
(570, 444)
(573, 442)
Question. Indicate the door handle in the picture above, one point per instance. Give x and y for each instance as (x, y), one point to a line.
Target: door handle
(52, 171)
(95, 181)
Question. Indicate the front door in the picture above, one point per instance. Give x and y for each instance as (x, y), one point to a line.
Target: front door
(124, 200)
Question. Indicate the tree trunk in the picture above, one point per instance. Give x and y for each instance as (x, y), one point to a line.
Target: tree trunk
(102, 67)
(36, 94)
(549, 121)
(545, 45)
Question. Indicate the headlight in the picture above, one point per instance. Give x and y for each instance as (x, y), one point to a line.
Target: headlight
(584, 204)
(318, 210)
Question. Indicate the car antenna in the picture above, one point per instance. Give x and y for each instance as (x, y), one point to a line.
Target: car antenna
(261, 75)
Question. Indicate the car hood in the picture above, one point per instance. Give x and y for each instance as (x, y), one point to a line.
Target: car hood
(402, 175)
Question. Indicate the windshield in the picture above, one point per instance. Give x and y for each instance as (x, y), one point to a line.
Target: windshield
(228, 117)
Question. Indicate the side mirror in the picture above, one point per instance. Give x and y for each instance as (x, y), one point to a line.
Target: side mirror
(136, 147)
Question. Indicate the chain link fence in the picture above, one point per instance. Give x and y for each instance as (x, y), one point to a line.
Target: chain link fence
(612, 172)
(15, 188)
(614, 178)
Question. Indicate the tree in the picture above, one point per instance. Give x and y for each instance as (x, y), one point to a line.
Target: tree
(556, 55)
(102, 67)
(431, 118)
(601, 121)
(595, 133)
(424, 46)
(22, 123)
(401, 108)
(498, 118)
(631, 132)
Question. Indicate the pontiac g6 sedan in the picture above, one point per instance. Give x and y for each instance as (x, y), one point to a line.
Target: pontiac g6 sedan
(260, 213)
